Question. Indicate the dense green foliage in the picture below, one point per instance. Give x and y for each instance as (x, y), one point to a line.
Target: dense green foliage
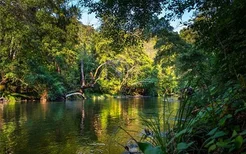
(212, 119)
(37, 46)
(43, 43)
(216, 72)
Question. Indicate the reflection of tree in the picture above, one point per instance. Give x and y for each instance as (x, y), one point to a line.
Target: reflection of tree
(115, 113)
(67, 127)
(82, 117)
(8, 138)
(97, 125)
(44, 107)
(1, 116)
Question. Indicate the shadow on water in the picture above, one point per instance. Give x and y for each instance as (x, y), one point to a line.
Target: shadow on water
(85, 126)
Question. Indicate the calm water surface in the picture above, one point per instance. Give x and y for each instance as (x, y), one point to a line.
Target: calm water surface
(80, 127)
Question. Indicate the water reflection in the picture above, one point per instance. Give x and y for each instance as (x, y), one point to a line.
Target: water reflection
(89, 126)
(1, 116)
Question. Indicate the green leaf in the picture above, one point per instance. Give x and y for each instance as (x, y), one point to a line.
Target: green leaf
(238, 142)
(212, 131)
(181, 133)
(183, 146)
(219, 134)
(147, 148)
(212, 148)
(239, 110)
(231, 149)
(223, 120)
(223, 144)
(213, 90)
(243, 133)
(234, 133)
(209, 143)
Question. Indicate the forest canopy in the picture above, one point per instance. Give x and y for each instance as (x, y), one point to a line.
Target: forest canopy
(43, 44)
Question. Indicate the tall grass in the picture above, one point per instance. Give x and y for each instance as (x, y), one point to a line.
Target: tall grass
(160, 131)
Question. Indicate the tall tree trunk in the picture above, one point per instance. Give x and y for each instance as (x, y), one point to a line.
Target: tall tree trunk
(82, 74)
(90, 84)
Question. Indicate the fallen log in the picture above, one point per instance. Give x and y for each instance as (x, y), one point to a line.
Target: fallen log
(75, 93)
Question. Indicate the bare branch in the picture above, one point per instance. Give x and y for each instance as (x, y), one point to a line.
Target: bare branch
(75, 93)
(95, 74)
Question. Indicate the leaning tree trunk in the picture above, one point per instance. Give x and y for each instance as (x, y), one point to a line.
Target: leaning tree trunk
(94, 78)
(83, 85)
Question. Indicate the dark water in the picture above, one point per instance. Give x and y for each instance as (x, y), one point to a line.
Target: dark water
(80, 127)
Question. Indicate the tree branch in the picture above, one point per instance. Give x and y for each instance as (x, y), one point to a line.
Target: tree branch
(75, 93)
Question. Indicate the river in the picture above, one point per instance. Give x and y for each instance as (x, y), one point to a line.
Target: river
(79, 127)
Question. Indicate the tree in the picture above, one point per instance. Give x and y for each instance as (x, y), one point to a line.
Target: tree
(129, 15)
(42, 35)
(214, 66)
